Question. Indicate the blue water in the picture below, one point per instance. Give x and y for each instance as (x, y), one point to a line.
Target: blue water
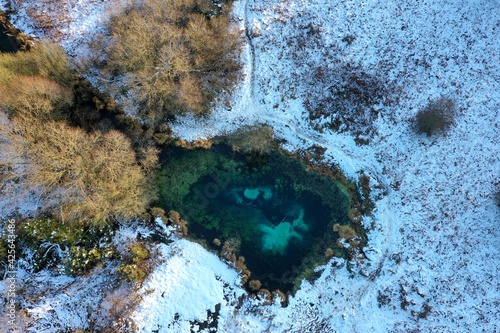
(281, 214)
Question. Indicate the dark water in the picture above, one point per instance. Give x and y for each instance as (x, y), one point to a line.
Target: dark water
(281, 215)
(7, 43)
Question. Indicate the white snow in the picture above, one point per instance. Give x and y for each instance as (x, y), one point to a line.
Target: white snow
(436, 239)
(182, 289)
(63, 302)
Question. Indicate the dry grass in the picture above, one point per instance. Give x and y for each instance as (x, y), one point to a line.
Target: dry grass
(344, 231)
(45, 59)
(40, 96)
(257, 140)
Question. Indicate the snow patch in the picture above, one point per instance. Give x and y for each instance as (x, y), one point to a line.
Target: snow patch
(182, 289)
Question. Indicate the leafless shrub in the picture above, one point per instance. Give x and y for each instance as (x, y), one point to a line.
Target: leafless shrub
(436, 117)
(175, 56)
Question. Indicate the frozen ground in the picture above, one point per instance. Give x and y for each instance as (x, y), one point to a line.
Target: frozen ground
(182, 289)
(435, 248)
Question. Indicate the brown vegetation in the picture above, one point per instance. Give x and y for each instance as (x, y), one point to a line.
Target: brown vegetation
(254, 285)
(266, 296)
(175, 218)
(45, 59)
(228, 252)
(40, 96)
(354, 216)
(280, 296)
(256, 141)
(344, 231)
(90, 176)
(158, 212)
(196, 144)
(177, 55)
(89, 172)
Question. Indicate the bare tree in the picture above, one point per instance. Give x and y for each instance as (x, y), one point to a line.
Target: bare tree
(86, 176)
(177, 55)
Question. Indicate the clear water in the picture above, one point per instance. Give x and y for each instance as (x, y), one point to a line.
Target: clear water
(281, 214)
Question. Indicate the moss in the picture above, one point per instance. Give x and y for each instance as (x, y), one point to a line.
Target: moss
(81, 260)
(176, 179)
(82, 247)
(136, 266)
(132, 272)
(139, 253)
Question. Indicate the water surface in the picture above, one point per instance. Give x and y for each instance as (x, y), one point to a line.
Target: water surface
(280, 215)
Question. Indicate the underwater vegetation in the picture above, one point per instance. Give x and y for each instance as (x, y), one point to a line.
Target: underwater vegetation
(274, 216)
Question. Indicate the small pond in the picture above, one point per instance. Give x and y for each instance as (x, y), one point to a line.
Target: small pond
(278, 215)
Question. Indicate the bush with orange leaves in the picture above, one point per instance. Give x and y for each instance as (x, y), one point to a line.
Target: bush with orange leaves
(175, 55)
(86, 176)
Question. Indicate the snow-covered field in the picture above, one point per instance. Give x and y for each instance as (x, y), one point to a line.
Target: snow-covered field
(435, 247)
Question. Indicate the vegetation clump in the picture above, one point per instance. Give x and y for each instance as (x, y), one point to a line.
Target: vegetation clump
(181, 224)
(76, 247)
(344, 231)
(81, 174)
(329, 253)
(89, 176)
(436, 117)
(177, 55)
(46, 59)
(196, 144)
(37, 95)
(254, 141)
(255, 285)
(136, 267)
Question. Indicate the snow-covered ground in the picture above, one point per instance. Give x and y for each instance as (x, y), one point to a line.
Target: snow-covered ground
(435, 247)
(182, 289)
